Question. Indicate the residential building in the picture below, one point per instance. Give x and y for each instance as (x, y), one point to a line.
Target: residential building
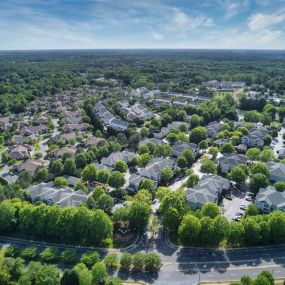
(179, 147)
(229, 161)
(255, 138)
(209, 189)
(269, 199)
(111, 160)
(277, 171)
(20, 151)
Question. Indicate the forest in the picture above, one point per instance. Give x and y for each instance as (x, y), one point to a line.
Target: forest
(26, 75)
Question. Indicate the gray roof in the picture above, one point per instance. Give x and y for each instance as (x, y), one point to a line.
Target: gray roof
(154, 168)
(179, 147)
(118, 155)
(151, 140)
(271, 196)
(232, 160)
(276, 169)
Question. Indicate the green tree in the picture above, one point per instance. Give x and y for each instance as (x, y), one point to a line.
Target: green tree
(203, 144)
(181, 162)
(227, 148)
(193, 180)
(69, 276)
(121, 166)
(152, 261)
(116, 179)
(60, 182)
(80, 160)
(258, 181)
(69, 167)
(213, 151)
(280, 186)
(237, 174)
(253, 153)
(259, 167)
(99, 273)
(103, 176)
(49, 254)
(89, 173)
(189, 156)
(166, 174)
(85, 276)
(111, 261)
(189, 230)
(235, 234)
(126, 261)
(208, 166)
(138, 261)
(56, 167)
(41, 174)
(25, 179)
(198, 134)
(90, 258)
(7, 217)
(143, 160)
(210, 210)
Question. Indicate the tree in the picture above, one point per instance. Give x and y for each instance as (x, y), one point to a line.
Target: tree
(195, 120)
(280, 186)
(60, 182)
(259, 167)
(56, 167)
(203, 144)
(126, 261)
(237, 174)
(121, 166)
(246, 280)
(252, 210)
(253, 153)
(25, 179)
(213, 151)
(235, 234)
(99, 273)
(80, 160)
(138, 261)
(198, 134)
(68, 256)
(267, 140)
(81, 186)
(208, 166)
(90, 258)
(166, 174)
(38, 273)
(210, 210)
(70, 276)
(143, 160)
(172, 138)
(89, 173)
(7, 217)
(193, 180)
(162, 192)
(84, 275)
(139, 215)
(182, 162)
(111, 261)
(189, 230)
(103, 176)
(41, 174)
(148, 185)
(189, 156)
(266, 155)
(227, 148)
(116, 179)
(258, 181)
(49, 254)
(69, 167)
(220, 229)
(152, 261)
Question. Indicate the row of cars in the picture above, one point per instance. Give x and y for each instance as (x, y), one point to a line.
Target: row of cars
(238, 216)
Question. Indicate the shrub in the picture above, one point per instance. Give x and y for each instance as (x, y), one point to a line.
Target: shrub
(29, 253)
(49, 254)
(68, 256)
(11, 251)
(126, 261)
(111, 260)
(90, 258)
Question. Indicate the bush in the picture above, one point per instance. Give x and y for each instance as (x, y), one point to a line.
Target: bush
(29, 253)
(68, 256)
(138, 261)
(90, 258)
(60, 182)
(49, 255)
(152, 261)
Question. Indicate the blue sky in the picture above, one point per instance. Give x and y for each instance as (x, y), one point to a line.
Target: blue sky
(69, 24)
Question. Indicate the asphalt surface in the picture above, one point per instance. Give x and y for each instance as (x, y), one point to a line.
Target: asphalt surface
(189, 265)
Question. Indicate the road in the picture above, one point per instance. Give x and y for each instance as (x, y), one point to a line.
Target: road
(277, 143)
(188, 265)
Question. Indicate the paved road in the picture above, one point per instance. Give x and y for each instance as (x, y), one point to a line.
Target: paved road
(188, 265)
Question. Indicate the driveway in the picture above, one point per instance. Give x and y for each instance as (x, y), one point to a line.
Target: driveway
(277, 143)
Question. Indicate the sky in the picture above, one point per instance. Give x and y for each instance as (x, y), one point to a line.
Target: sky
(128, 24)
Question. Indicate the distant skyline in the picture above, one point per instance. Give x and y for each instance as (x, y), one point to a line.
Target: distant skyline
(154, 24)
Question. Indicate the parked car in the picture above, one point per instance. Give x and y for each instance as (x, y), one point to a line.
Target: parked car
(243, 207)
(248, 198)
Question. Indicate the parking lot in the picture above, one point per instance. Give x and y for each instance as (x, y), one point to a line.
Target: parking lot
(231, 207)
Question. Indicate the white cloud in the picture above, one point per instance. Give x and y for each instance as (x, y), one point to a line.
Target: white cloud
(262, 21)
(233, 8)
(157, 36)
